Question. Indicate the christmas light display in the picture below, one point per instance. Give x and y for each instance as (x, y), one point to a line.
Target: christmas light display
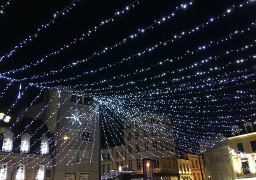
(107, 48)
(29, 38)
(4, 6)
(65, 46)
(203, 89)
(148, 49)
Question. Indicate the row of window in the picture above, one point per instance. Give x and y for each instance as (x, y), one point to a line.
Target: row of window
(184, 167)
(162, 147)
(197, 176)
(240, 146)
(104, 170)
(20, 172)
(118, 154)
(161, 132)
(139, 164)
(145, 122)
(25, 143)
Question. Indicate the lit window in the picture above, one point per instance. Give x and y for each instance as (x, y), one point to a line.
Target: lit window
(20, 172)
(44, 145)
(40, 172)
(8, 142)
(25, 143)
(3, 171)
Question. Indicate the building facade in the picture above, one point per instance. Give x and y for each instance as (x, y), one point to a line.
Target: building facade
(191, 167)
(231, 158)
(72, 151)
(217, 159)
(243, 149)
(148, 136)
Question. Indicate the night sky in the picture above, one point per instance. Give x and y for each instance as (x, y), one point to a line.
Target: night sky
(200, 54)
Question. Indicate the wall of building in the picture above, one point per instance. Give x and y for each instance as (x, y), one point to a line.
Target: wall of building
(245, 139)
(76, 155)
(244, 163)
(31, 161)
(217, 159)
(137, 132)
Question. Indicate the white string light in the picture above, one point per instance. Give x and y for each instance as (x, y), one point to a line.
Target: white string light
(29, 38)
(65, 46)
(149, 49)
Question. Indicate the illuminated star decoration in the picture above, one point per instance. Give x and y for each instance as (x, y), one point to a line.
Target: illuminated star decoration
(75, 117)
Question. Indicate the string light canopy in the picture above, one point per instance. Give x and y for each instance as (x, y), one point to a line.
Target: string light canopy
(195, 65)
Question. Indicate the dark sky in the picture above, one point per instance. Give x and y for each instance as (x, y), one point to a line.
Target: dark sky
(196, 104)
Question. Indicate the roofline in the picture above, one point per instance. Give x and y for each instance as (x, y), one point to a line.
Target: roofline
(243, 135)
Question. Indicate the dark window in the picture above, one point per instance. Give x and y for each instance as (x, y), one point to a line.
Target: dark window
(137, 148)
(73, 98)
(166, 147)
(155, 145)
(161, 146)
(240, 147)
(197, 163)
(129, 149)
(130, 164)
(245, 167)
(136, 135)
(152, 120)
(87, 100)
(76, 99)
(153, 131)
(157, 163)
(103, 168)
(108, 167)
(181, 168)
(253, 145)
(217, 159)
(86, 136)
(138, 164)
(146, 146)
(184, 168)
(129, 137)
(144, 122)
(145, 134)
